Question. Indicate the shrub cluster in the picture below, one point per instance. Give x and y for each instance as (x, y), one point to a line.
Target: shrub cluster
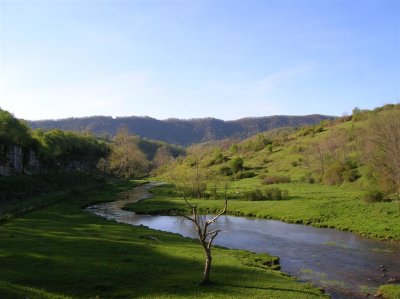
(373, 195)
(247, 174)
(308, 178)
(338, 172)
(269, 180)
(226, 170)
(267, 194)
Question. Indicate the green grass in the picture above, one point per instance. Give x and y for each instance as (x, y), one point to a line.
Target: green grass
(389, 291)
(314, 204)
(62, 251)
(20, 194)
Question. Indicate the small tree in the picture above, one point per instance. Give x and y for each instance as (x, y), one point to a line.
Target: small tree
(237, 165)
(126, 159)
(206, 233)
(385, 156)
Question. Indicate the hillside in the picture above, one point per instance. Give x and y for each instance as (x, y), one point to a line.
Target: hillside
(317, 175)
(177, 131)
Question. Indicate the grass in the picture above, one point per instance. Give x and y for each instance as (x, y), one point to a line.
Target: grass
(314, 204)
(62, 251)
(389, 291)
(20, 194)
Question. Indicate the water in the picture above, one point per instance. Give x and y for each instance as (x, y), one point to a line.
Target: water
(344, 264)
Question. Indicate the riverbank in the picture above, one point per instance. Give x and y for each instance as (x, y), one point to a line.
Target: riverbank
(62, 251)
(317, 205)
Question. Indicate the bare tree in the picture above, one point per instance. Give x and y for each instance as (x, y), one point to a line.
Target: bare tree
(206, 233)
(386, 140)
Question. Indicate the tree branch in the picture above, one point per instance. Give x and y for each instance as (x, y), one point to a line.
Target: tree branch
(217, 216)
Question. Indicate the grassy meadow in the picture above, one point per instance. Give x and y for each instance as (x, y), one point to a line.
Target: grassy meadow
(62, 251)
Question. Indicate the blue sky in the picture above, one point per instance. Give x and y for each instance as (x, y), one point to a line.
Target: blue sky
(185, 59)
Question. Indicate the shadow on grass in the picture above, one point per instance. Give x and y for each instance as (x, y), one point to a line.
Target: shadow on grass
(62, 251)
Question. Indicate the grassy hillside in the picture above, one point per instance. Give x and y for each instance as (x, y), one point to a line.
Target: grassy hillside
(324, 172)
(63, 251)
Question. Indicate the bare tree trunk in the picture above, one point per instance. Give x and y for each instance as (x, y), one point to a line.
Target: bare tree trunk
(206, 234)
(207, 268)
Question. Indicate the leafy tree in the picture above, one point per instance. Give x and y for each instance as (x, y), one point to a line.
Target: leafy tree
(126, 160)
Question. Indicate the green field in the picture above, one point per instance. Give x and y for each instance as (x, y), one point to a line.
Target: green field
(314, 204)
(62, 251)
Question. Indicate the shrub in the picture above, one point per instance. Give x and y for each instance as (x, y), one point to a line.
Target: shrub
(218, 158)
(237, 164)
(268, 194)
(273, 194)
(269, 180)
(334, 174)
(373, 195)
(254, 195)
(351, 175)
(226, 170)
(247, 174)
(308, 178)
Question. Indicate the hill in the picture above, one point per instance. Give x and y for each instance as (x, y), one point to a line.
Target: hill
(178, 131)
(341, 173)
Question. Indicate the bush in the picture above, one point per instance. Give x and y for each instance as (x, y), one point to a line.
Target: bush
(373, 195)
(247, 174)
(308, 178)
(268, 194)
(226, 170)
(269, 180)
(334, 174)
(351, 175)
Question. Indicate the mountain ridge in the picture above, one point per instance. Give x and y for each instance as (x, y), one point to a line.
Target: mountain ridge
(178, 131)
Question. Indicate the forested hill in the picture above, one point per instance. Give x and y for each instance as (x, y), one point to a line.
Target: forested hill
(177, 131)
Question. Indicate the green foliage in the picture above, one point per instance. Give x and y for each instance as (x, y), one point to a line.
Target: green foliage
(308, 178)
(373, 195)
(126, 160)
(60, 149)
(237, 164)
(267, 194)
(55, 149)
(13, 131)
(247, 174)
(269, 180)
(389, 291)
(217, 158)
(150, 148)
(334, 173)
(226, 170)
(311, 130)
(337, 171)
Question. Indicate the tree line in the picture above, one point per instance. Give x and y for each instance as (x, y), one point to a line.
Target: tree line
(125, 155)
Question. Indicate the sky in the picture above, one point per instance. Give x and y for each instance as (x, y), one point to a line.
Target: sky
(192, 59)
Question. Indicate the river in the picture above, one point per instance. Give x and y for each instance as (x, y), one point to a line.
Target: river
(344, 264)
